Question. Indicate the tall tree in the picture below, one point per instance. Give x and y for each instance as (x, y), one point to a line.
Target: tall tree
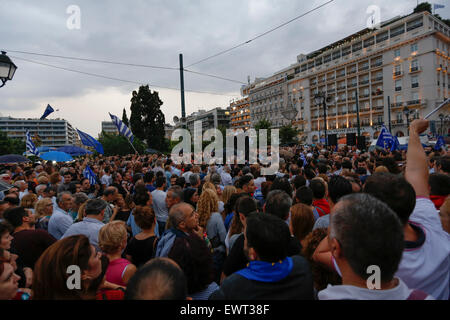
(125, 118)
(424, 6)
(288, 134)
(11, 146)
(147, 120)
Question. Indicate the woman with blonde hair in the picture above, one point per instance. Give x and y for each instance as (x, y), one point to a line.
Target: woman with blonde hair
(29, 201)
(112, 239)
(43, 212)
(211, 221)
(227, 192)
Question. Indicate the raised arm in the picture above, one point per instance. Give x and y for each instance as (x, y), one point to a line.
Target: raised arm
(416, 172)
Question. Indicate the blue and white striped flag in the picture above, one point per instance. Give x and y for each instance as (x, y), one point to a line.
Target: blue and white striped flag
(30, 145)
(302, 156)
(88, 173)
(122, 128)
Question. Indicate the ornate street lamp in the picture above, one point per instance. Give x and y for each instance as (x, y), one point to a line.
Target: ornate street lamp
(7, 68)
(321, 99)
(406, 112)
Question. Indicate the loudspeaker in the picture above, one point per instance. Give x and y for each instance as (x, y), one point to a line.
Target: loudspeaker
(332, 139)
(362, 143)
(351, 139)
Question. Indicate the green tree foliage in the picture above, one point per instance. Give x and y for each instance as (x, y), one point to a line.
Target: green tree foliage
(423, 6)
(263, 124)
(125, 118)
(288, 134)
(114, 144)
(11, 146)
(147, 120)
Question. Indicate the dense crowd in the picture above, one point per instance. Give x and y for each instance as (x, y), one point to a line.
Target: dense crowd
(330, 224)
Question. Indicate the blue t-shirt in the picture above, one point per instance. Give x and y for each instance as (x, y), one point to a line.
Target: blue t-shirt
(228, 220)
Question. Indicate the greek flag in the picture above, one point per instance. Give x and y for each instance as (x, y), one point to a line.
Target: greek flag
(87, 140)
(88, 173)
(302, 156)
(439, 143)
(30, 145)
(122, 128)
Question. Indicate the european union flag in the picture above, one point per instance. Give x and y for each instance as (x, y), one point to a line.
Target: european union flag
(88, 173)
(89, 141)
(47, 111)
(385, 139)
(438, 6)
(440, 143)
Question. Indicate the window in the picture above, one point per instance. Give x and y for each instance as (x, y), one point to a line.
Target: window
(396, 53)
(399, 98)
(382, 36)
(414, 81)
(415, 96)
(414, 47)
(398, 30)
(397, 70)
(398, 85)
(414, 65)
(399, 116)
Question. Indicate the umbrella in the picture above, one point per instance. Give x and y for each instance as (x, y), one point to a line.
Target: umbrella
(57, 156)
(13, 158)
(74, 151)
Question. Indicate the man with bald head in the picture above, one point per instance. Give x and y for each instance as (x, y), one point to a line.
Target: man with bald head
(184, 221)
(159, 279)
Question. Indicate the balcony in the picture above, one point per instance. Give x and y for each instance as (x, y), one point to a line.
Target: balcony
(341, 88)
(415, 69)
(397, 105)
(415, 85)
(351, 85)
(321, 80)
(362, 68)
(364, 96)
(351, 71)
(341, 113)
(340, 75)
(397, 122)
(377, 79)
(331, 90)
(363, 82)
(377, 93)
(413, 102)
(378, 108)
(377, 64)
(397, 74)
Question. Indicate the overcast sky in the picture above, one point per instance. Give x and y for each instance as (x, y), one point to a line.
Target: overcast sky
(154, 33)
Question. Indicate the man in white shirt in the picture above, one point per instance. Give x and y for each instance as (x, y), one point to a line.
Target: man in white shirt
(106, 179)
(367, 267)
(226, 176)
(159, 203)
(425, 263)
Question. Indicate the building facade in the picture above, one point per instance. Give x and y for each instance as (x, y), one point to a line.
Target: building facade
(213, 118)
(405, 62)
(109, 127)
(240, 114)
(51, 133)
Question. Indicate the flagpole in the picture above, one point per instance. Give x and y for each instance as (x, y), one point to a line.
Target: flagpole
(133, 147)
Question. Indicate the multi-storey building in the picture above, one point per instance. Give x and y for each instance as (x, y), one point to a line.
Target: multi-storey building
(168, 130)
(51, 133)
(210, 119)
(240, 114)
(405, 62)
(109, 127)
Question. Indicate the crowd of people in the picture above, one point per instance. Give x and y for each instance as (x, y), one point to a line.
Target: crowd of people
(329, 224)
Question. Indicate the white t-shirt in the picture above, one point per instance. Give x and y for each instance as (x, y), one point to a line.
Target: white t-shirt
(425, 264)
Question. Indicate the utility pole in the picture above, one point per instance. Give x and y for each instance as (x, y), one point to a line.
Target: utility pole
(357, 118)
(389, 112)
(183, 110)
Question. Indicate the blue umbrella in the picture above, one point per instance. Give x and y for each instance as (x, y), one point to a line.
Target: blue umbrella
(13, 158)
(74, 151)
(56, 156)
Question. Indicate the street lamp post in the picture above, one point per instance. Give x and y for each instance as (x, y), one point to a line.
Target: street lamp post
(441, 116)
(406, 112)
(7, 68)
(321, 99)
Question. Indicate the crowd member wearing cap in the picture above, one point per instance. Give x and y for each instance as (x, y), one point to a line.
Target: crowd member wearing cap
(91, 224)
